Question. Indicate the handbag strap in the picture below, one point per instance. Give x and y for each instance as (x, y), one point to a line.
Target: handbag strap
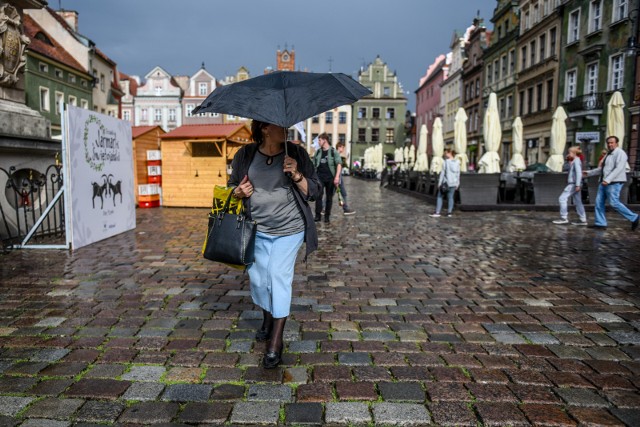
(227, 204)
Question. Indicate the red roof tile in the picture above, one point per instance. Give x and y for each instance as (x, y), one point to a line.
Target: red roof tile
(133, 84)
(55, 52)
(136, 131)
(204, 131)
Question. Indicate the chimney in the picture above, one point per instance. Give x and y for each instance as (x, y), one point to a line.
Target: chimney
(71, 17)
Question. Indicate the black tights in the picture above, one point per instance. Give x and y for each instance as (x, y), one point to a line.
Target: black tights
(329, 189)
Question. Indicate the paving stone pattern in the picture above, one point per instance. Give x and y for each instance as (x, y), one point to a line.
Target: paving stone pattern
(490, 319)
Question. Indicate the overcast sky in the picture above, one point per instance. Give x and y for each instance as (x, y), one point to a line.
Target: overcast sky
(226, 34)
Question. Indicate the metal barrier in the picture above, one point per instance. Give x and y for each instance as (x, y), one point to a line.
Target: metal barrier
(27, 211)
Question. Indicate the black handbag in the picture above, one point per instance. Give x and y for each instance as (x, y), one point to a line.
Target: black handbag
(231, 237)
(444, 187)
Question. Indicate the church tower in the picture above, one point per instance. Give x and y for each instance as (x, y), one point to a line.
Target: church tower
(285, 59)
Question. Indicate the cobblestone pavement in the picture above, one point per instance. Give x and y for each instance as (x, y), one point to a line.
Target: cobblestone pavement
(487, 319)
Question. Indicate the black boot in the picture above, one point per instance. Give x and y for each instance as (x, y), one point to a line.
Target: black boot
(273, 355)
(264, 332)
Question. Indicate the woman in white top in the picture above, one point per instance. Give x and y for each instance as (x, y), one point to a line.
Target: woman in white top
(450, 174)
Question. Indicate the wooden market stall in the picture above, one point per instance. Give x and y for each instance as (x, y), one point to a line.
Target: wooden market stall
(144, 138)
(195, 158)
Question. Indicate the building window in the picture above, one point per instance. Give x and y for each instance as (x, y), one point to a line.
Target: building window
(539, 97)
(616, 72)
(73, 101)
(315, 119)
(536, 14)
(390, 138)
(102, 82)
(523, 55)
(550, 94)
(543, 47)
(126, 115)
(502, 108)
(72, 78)
(526, 20)
(59, 98)
(172, 114)
(532, 47)
(44, 68)
(375, 113)
(362, 134)
(362, 112)
(328, 117)
(342, 138)
(620, 9)
(342, 117)
(391, 113)
(496, 71)
(546, 8)
(521, 103)
(512, 61)
(477, 88)
(574, 26)
(202, 89)
(59, 73)
(85, 104)
(158, 115)
(489, 74)
(595, 15)
(386, 91)
(591, 82)
(83, 82)
(509, 106)
(570, 90)
(145, 114)
(188, 110)
(552, 42)
(375, 135)
(530, 100)
(504, 66)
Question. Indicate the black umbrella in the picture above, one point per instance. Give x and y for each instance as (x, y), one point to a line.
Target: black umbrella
(283, 98)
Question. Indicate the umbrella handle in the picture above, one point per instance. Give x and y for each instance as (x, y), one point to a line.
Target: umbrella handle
(286, 151)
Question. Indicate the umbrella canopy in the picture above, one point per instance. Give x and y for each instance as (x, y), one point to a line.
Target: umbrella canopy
(378, 158)
(460, 138)
(537, 167)
(399, 158)
(615, 117)
(405, 156)
(492, 132)
(437, 146)
(422, 162)
(412, 154)
(517, 161)
(558, 140)
(283, 98)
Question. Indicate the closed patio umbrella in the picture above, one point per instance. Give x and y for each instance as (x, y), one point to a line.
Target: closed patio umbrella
(412, 155)
(615, 117)
(437, 146)
(399, 156)
(422, 162)
(558, 140)
(460, 138)
(379, 158)
(492, 132)
(517, 161)
(405, 165)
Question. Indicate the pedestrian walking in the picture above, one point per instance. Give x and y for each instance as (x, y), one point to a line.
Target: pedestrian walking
(449, 175)
(340, 146)
(275, 188)
(328, 167)
(572, 190)
(613, 176)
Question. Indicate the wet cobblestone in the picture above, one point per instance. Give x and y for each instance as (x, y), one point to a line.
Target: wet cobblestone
(489, 318)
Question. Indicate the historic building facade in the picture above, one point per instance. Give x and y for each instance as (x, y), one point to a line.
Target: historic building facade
(500, 69)
(428, 95)
(53, 76)
(158, 101)
(538, 48)
(594, 65)
(472, 84)
(196, 88)
(379, 117)
(451, 87)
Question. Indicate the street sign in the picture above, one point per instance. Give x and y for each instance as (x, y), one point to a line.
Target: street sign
(592, 137)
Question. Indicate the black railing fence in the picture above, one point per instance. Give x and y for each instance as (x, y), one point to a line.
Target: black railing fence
(27, 193)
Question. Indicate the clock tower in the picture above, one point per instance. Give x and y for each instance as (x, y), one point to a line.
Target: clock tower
(286, 59)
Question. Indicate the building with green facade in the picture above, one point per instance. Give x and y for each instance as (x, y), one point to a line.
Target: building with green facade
(500, 70)
(593, 65)
(52, 75)
(379, 117)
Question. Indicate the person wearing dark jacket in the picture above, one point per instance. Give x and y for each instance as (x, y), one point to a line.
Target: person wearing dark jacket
(276, 190)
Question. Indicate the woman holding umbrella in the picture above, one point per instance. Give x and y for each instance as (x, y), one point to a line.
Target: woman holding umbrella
(279, 203)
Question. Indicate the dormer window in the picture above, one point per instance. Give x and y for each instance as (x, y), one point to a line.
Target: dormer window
(43, 38)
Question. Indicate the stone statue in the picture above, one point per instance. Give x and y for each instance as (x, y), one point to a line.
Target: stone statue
(14, 42)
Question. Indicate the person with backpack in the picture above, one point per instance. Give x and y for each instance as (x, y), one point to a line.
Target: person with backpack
(328, 165)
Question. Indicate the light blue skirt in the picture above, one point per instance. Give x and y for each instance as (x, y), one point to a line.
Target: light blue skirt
(271, 274)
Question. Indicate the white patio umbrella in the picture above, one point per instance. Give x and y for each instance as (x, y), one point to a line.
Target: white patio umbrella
(615, 117)
(405, 164)
(367, 158)
(460, 138)
(517, 161)
(399, 156)
(412, 155)
(379, 158)
(558, 140)
(490, 160)
(422, 161)
(437, 146)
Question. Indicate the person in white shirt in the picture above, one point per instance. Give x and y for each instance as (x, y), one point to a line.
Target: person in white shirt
(573, 189)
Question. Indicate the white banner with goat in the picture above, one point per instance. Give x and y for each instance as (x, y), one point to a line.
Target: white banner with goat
(100, 159)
